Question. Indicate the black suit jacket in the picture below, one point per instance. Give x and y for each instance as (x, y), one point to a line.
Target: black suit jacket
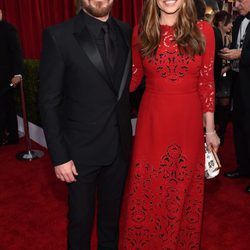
(217, 59)
(83, 118)
(11, 59)
(244, 73)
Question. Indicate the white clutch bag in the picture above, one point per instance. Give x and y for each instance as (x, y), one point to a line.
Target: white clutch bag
(212, 164)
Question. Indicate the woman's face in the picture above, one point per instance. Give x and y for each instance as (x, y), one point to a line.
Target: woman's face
(169, 7)
(226, 28)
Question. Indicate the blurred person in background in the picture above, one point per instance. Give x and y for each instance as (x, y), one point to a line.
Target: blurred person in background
(11, 68)
(239, 54)
(222, 73)
(200, 9)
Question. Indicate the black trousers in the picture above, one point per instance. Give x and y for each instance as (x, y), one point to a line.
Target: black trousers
(241, 124)
(8, 119)
(105, 185)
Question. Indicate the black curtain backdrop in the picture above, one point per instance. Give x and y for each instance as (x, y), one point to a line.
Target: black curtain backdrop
(30, 17)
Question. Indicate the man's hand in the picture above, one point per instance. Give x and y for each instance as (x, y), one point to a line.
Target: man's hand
(224, 70)
(66, 172)
(16, 80)
(230, 54)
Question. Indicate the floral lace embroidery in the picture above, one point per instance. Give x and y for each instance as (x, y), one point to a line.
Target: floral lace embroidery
(160, 200)
(207, 93)
(134, 69)
(169, 63)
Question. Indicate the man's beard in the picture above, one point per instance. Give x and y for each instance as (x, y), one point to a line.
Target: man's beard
(98, 10)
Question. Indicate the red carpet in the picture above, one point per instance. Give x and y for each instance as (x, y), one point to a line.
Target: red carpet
(33, 205)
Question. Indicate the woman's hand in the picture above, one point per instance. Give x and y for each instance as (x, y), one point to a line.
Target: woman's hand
(212, 141)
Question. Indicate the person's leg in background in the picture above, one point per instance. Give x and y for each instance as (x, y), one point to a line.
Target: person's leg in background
(247, 127)
(11, 120)
(240, 133)
(2, 119)
(223, 107)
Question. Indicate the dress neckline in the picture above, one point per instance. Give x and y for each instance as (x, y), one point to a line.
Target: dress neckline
(166, 26)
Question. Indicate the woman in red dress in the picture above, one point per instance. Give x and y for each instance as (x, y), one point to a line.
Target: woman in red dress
(164, 197)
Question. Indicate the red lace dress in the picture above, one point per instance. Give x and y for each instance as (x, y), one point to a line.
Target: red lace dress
(163, 200)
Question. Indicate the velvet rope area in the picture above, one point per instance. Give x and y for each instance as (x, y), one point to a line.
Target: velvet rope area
(31, 17)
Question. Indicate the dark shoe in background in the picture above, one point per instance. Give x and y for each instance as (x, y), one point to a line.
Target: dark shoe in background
(3, 142)
(233, 174)
(248, 189)
(10, 140)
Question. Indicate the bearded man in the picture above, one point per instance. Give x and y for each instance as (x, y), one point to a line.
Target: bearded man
(84, 102)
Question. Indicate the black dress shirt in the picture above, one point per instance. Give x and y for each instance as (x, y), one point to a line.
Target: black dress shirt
(95, 26)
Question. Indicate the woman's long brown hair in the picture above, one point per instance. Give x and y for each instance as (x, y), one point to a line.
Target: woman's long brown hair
(187, 35)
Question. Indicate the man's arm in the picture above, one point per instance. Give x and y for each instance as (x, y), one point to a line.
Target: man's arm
(50, 101)
(16, 55)
(245, 57)
(50, 98)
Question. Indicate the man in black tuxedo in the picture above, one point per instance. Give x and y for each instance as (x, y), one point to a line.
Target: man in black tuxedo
(11, 66)
(84, 101)
(240, 54)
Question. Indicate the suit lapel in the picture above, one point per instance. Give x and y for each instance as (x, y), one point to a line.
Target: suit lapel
(125, 75)
(127, 66)
(247, 37)
(86, 42)
(236, 28)
(88, 45)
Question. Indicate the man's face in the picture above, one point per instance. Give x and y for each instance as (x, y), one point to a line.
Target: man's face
(1, 15)
(243, 6)
(98, 8)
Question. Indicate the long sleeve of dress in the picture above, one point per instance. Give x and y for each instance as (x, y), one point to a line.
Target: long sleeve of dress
(206, 77)
(137, 68)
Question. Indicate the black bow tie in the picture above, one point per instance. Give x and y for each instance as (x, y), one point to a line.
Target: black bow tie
(248, 16)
